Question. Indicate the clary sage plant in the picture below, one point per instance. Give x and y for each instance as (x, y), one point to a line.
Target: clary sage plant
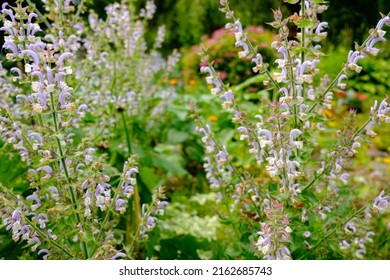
(298, 204)
(66, 84)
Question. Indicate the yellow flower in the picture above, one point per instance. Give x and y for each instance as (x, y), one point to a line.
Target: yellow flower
(327, 113)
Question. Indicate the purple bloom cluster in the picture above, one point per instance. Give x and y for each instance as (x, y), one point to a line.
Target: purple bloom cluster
(274, 233)
(217, 162)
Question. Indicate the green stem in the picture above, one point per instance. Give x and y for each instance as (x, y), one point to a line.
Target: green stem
(78, 12)
(136, 199)
(361, 210)
(361, 129)
(40, 121)
(303, 32)
(38, 230)
(54, 243)
(128, 140)
(61, 11)
(327, 89)
(72, 190)
(39, 14)
(144, 218)
(358, 131)
(105, 220)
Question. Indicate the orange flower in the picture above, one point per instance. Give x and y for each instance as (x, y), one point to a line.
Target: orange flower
(173, 82)
(191, 82)
(213, 118)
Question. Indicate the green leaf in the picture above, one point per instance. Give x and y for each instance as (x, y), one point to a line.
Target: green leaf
(179, 110)
(309, 196)
(253, 80)
(171, 163)
(176, 137)
(226, 135)
(273, 188)
(304, 23)
(149, 177)
(183, 247)
(291, 1)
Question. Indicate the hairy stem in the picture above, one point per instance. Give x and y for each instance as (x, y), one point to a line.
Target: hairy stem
(72, 190)
(303, 32)
(361, 210)
(136, 200)
(39, 14)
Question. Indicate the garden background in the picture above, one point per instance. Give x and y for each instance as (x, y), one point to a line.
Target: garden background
(170, 152)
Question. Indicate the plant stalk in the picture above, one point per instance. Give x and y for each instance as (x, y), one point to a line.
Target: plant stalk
(72, 190)
(136, 198)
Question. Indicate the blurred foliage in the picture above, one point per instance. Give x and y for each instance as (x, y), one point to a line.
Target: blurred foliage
(187, 21)
(350, 20)
(220, 47)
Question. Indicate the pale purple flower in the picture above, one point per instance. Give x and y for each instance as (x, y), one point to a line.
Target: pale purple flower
(344, 245)
(368, 130)
(229, 99)
(51, 234)
(245, 51)
(85, 184)
(322, 212)
(382, 21)
(118, 255)
(340, 83)
(360, 253)
(36, 199)
(130, 172)
(9, 13)
(120, 205)
(368, 236)
(239, 32)
(128, 191)
(47, 169)
(42, 219)
(17, 71)
(25, 232)
(293, 134)
(35, 240)
(320, 27)
(381, 202)
(258, 60)
(53, 192)
(264, 142)
(344, 178)
(82, 109)
(37, 137)
(353, 58)
(35, 58)
(350, 227)
(62, 57)
(160, 205)
(45, 253)
(304, 216)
